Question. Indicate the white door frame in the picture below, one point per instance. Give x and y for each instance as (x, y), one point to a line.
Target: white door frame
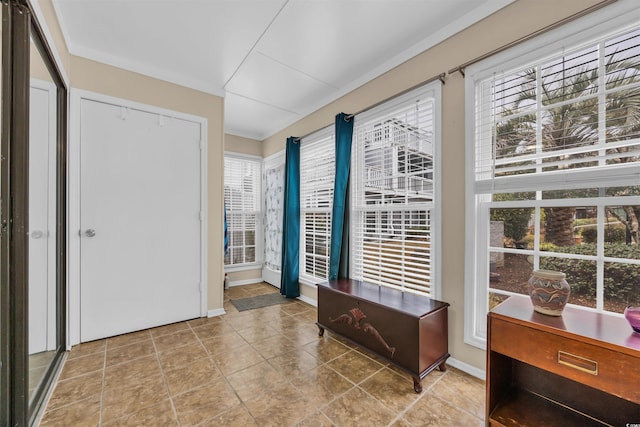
(77, 95)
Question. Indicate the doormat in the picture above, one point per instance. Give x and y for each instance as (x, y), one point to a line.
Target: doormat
(259, 301)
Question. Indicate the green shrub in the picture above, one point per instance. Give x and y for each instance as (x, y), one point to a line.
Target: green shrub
(622, 281)
(516, 221)
(612, 234)
(548, 247)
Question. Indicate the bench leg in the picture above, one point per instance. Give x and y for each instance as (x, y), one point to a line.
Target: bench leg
(417, 385)
(320, 331)
(442, 367)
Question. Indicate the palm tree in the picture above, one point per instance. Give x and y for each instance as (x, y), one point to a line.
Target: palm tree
(573, 124)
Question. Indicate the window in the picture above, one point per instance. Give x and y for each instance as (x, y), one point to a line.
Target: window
(317, 174)
(242, 190)
(394, 192)
(555, 179)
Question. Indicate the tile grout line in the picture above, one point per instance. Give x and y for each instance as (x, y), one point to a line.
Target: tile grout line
(226, 380)
(164, 379)
(424, 392)
(104, 377)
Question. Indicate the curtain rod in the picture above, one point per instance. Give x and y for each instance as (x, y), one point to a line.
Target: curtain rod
(440, 77)
(571, 18)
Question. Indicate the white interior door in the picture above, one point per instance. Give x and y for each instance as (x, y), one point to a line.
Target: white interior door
(140, 220)
(42, 295)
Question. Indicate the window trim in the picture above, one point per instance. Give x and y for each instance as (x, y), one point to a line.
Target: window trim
(617, 18)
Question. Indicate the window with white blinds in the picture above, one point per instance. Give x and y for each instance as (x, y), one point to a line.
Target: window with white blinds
(555, 177)
(562, 121)
(394, 192)
(242, 197)
(317, 174)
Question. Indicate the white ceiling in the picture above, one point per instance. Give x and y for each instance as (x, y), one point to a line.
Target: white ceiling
(274, 61)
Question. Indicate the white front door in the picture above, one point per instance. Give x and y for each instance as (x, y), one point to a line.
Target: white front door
(140, 220)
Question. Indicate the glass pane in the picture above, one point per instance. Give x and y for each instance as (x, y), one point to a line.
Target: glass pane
(558, 225)
(632, 190)
(526, 195)
(495, 299)
(42, 220)
(571, 76)
(512, 228)
(622, 228)
(581, 276)
(621, 285)
(510, 272)
(571, 194)
(577, 236)
(250, 254)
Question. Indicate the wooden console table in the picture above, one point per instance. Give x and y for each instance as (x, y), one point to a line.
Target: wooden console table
(579, 369)
(408, 330)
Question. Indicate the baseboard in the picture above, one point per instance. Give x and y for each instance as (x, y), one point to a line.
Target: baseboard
(216, 312)
(465, 367)
(308, 300)
(245, 282)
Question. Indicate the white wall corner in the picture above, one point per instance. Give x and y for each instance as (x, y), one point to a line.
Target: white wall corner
(216, 312)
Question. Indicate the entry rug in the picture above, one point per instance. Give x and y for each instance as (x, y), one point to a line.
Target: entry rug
(266, 300)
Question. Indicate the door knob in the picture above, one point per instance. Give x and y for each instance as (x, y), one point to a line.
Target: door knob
(36, 234)
(90, 232)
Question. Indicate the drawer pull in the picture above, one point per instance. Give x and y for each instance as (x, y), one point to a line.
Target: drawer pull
(578, 362)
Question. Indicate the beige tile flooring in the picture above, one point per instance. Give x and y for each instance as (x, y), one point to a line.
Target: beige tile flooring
(265, 367)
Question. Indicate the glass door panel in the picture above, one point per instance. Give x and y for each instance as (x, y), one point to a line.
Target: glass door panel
(42, 342)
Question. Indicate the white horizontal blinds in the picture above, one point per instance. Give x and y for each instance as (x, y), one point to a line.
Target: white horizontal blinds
(393, 194)
(242, 199)
(317, 172)
(573, 112)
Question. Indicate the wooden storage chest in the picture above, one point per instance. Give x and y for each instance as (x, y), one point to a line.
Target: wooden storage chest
(408, 330)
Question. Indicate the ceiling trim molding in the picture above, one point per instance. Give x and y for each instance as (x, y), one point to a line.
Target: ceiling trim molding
(128, 65)
(404, 56)
(149, 71)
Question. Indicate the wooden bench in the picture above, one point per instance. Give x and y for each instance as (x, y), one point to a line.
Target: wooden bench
(408, 330)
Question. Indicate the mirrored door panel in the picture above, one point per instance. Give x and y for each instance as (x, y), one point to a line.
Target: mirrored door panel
(42, 340)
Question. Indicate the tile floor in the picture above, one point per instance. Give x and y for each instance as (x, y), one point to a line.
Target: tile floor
(265, 367)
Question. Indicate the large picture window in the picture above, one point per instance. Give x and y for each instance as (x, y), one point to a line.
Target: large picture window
(317, 175)
(555, 179)
(242, 198)
(394, 192)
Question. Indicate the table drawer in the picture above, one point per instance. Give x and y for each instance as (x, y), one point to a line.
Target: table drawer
(598, 367)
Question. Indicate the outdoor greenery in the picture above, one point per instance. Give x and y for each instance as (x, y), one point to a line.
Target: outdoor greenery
(612, 234)
(515, 221)
(621, 281)
(568, 88)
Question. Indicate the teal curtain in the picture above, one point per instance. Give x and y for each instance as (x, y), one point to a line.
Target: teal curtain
(289, 285)
(339, 253)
